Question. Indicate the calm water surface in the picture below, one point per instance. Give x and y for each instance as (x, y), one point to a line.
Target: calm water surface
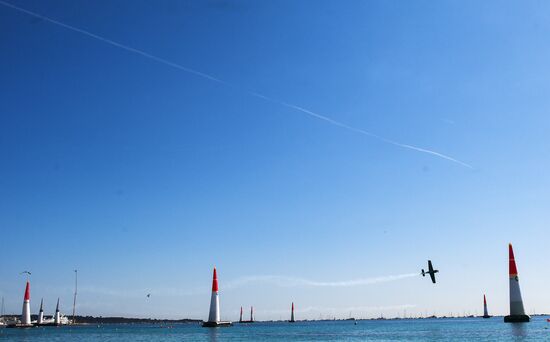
(466, 329)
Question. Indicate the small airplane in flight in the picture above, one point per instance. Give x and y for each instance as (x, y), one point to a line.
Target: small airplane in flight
(431, 271)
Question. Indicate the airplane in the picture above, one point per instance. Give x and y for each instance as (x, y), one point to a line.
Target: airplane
(431, 271)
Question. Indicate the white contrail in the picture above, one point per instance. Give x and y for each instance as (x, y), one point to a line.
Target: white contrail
(284, 281)
(217, 80)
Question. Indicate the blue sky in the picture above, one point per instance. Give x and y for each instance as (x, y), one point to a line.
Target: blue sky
(144, 176)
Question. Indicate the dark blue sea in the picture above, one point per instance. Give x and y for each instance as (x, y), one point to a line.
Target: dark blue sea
(456, 329)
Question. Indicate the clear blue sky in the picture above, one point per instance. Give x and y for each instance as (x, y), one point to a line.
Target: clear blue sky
(144, 176)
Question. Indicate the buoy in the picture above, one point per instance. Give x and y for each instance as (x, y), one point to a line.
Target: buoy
(517, 312)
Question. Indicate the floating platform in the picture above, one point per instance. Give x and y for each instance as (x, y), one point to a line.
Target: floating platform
(49, 325)
(486, 316)
(517, 319)
(216, 324)
(247, 322)
(21, 326)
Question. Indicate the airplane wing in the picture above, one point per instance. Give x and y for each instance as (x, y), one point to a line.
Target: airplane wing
(431, 271)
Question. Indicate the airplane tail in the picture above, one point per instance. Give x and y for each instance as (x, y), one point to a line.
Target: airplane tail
(423, 273)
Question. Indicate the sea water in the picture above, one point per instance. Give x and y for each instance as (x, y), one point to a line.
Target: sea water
(457, 329)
